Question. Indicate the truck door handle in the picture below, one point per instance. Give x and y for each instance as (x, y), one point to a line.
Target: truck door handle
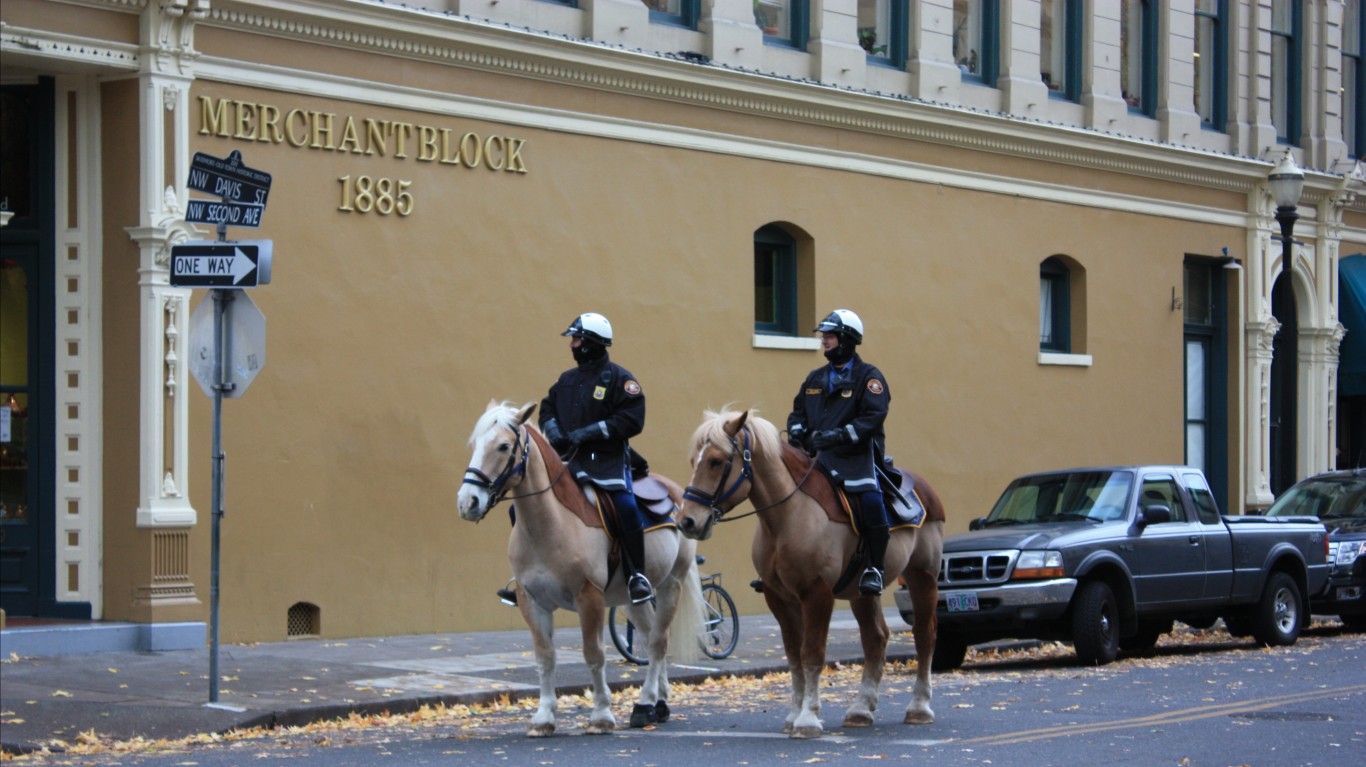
(1195, 540)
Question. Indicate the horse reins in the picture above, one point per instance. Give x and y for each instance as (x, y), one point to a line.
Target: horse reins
(713, 502)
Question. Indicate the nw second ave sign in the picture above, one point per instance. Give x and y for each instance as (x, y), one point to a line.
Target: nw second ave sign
(221, 264)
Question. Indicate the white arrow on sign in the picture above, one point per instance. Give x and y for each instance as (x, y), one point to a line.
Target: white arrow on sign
(237, 265)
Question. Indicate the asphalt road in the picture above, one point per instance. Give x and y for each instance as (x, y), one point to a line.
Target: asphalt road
(1217, 703)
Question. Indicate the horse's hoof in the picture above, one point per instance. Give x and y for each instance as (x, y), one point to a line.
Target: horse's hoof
(604, 727)
(541, 731)
(806, 732)
(643, 715)
(662, 712)
(858, 720)
(919, 717)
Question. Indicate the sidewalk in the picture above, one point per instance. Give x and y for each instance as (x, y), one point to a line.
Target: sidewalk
(122, 695)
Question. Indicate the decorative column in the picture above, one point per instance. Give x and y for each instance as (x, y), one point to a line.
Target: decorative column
(163, 472)
(1260, 328)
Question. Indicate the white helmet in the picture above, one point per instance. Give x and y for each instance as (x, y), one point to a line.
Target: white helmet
(592, 326)
(842, 322)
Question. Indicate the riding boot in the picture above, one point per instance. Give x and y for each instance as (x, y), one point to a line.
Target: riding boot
(870, 583)
(638, 586)
(873, 517)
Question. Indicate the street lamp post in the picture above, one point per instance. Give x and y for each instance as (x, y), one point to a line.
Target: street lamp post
(1287, 182)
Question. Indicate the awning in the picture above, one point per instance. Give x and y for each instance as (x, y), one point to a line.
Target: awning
(1352, 315)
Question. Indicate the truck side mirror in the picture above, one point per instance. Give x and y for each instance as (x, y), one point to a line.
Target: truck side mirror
(1155, 514)
(978, 524)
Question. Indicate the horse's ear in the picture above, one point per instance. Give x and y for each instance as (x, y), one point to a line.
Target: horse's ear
(493, 403)
(525, 412)
(734, 426)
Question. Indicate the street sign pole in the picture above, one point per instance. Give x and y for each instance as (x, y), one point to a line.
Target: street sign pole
(221, 301)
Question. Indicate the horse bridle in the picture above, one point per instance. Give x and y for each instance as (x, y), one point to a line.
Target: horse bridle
(722, 494)
(497, 486)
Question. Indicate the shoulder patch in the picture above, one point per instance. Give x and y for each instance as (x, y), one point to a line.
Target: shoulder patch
(875, 386)
(632, 387)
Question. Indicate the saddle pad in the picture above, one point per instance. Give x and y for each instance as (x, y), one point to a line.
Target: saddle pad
(818, 486)
(813, 482)
(566, 490)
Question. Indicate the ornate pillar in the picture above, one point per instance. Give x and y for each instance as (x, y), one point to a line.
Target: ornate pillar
(164, 83)
(1260, 328)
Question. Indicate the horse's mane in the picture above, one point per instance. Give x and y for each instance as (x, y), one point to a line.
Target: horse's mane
(503, 414)
(712, 431)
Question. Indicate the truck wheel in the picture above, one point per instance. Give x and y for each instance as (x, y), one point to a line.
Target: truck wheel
(1095, 624)
(1280, 613)
(949, 651)
(1145, 639)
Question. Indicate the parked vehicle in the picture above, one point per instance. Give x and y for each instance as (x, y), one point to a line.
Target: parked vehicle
(1338, 499)
(1109, 557)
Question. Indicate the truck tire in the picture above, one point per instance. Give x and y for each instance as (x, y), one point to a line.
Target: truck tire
(949, 651)
(1280, 613)
(1095, 624)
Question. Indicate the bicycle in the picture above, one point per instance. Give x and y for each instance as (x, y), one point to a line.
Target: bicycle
(720, 629)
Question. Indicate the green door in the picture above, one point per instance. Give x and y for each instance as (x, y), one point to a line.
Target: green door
(27, 304)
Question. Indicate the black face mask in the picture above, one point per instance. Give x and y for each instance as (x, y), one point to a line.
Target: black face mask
(841, 354)
(588, 352)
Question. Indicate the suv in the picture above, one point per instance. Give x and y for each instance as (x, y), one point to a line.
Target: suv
(1338, 499)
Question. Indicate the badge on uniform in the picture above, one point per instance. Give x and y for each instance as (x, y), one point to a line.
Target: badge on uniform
(874, 386)
(846, 393)
(599, 392)
(632, 388)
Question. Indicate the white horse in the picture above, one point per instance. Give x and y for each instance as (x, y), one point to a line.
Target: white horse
(560, 561)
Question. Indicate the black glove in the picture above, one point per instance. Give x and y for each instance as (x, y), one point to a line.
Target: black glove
(556, 437)
(589, 433)
(829, 438)
(796, 436)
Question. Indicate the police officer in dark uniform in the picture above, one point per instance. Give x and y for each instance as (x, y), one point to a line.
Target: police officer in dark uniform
(837, 416)
(590, 414)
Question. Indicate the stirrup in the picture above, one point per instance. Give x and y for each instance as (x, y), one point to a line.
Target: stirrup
(870, 583)
(640, 589)
(508, 595)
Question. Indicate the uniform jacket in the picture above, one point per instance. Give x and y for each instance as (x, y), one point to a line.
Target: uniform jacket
(604, 393)
(856, 402)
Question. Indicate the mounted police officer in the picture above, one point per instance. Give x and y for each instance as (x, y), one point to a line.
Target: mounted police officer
(589, 415)
(837, 416)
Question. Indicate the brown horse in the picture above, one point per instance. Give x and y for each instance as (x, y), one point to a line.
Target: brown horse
(800, 554)
(561, 562)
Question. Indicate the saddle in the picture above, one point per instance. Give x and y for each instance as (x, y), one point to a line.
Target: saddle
(904, 506)
(656, 495)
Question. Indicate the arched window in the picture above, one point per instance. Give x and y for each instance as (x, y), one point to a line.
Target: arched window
(775, 282)
(1055, 306)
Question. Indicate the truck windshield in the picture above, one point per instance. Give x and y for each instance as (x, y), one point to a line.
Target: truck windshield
(1095, 496)
(1323, 497)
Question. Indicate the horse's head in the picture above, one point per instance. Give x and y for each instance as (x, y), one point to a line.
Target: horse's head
(721, 472)
(499, 461)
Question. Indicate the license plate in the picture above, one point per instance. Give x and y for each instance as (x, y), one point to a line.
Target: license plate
(962, 603)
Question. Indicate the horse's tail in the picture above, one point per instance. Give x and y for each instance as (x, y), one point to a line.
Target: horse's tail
(686, 627)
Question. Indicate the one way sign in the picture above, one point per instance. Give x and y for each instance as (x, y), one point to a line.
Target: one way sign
(221, 264)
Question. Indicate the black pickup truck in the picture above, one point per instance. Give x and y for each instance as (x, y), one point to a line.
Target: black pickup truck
(1108, 557)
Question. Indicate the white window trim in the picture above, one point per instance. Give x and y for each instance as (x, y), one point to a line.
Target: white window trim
(762, 341)
(1076, 360)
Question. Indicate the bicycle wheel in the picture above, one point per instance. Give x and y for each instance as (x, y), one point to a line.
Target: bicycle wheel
(624, 636)
(721, 631)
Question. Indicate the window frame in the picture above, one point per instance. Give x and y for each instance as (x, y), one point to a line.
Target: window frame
(1148, 41)
(898, 42)
(989, 58)
(784, 287)
(1293, 91)
(799, 27)
(1073, 23)
(1354, 99)
(689, 12)
(1057, 275)
(1218, 68)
